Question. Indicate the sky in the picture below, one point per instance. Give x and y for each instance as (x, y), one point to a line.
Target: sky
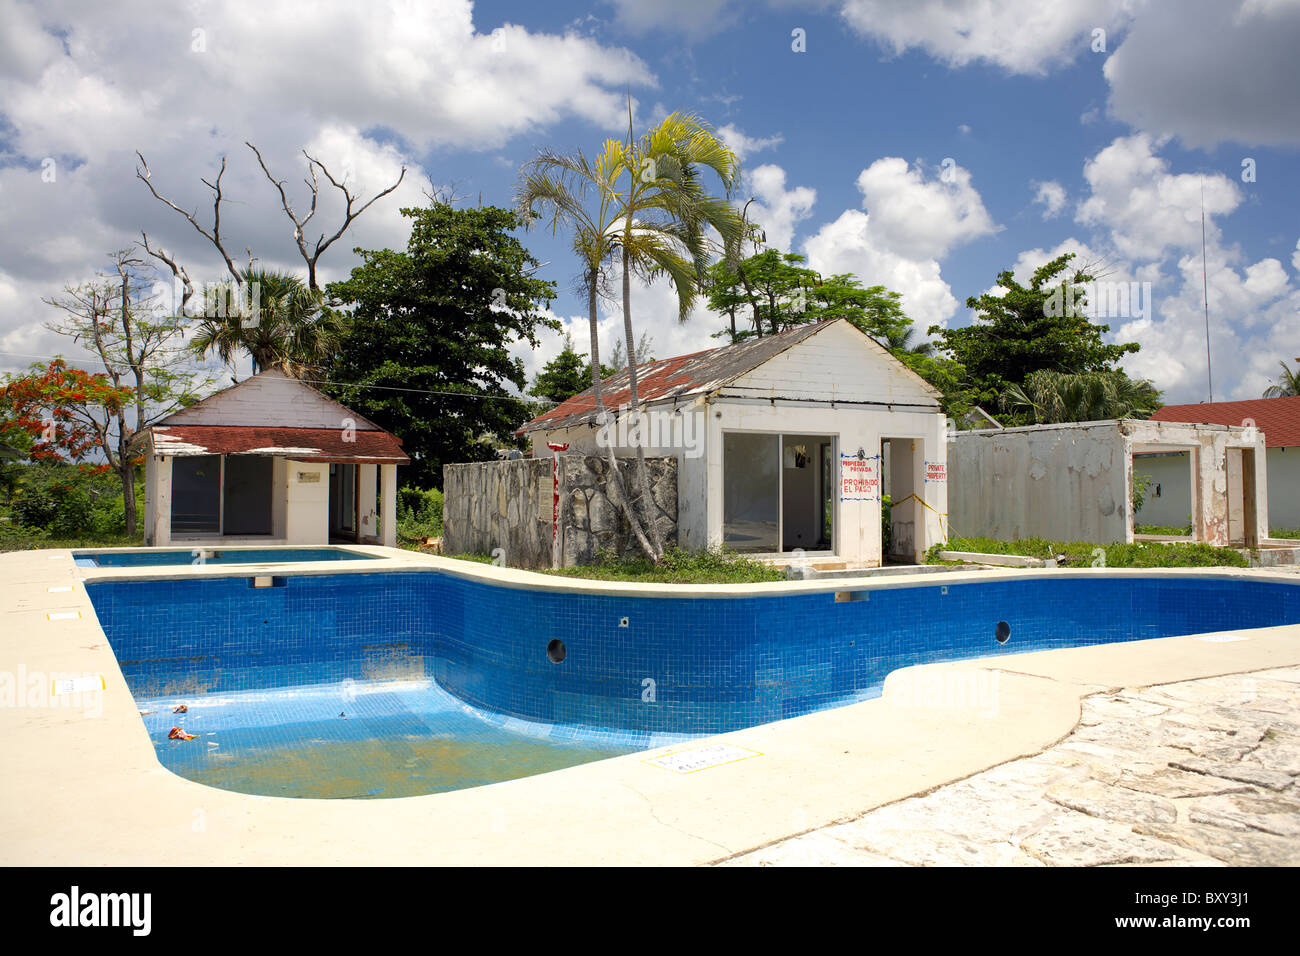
(925, 146)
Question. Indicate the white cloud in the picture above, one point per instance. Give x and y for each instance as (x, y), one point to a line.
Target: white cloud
(1146, 228)
(364, 88)
(1210, 71)
(777, 209)
(1148, 210)
(1020, 36)
(922, 218)
(1051, 195)
(910, 223)
(1295, 257)
(744, 146)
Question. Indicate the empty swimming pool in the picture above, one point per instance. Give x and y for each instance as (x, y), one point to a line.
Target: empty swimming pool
(393, 683)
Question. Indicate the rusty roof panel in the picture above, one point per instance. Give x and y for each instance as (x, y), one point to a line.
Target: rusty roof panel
(698, 373)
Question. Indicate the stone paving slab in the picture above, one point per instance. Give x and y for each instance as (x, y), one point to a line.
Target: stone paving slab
(1196, 773)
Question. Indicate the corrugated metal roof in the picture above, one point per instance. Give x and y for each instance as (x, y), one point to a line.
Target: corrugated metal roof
(698, 373)
(302, 444)
(1277, 418)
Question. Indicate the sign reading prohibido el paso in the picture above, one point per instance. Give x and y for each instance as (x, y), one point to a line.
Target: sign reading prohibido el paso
(859, 478)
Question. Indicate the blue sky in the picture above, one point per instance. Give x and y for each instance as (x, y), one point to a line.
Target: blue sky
(923, 146)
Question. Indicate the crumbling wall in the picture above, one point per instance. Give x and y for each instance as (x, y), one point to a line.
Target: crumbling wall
(504, 508)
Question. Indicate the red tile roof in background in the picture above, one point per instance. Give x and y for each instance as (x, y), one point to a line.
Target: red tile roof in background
(1277, 418)
(300, 444)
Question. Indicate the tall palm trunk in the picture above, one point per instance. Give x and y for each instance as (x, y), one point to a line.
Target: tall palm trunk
(622, 499)
(649, 510)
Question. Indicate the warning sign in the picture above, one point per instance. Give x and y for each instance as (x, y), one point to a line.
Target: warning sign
(859, 479)
(936, 471)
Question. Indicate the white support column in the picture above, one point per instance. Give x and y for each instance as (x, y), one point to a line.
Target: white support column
(158, 501)
(388, 477)
(368, 496)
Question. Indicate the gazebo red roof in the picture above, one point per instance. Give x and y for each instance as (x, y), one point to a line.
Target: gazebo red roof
(301, 444)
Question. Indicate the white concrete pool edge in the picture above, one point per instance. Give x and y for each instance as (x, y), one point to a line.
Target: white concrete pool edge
(82, 790)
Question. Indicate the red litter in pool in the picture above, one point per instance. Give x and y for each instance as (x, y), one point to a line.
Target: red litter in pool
(178, 734)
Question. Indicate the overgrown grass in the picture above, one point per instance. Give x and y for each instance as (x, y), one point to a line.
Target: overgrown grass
(419, 515)
(1184, 531)
(678, 566)
(1142, 554)
(1284, 533)
(18, 538)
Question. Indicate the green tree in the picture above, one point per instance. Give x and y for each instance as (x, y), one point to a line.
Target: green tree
(781, 293)
(427, 349)
(1030, 328)
(138, 343)
(1288, 383)
(1050, 397)
(666, 211)
(563, 376)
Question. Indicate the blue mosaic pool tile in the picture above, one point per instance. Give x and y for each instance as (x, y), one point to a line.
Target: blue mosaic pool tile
(682, 665)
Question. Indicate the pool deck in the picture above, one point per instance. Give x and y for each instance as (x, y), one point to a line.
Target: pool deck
(82, 786)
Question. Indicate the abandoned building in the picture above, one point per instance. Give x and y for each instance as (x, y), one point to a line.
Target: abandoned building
(1277, 418)
(771, 447)
(1074, 481)
(270, 460)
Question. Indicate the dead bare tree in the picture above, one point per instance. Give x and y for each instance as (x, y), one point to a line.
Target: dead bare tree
(300, 225)
(213, 235)
(310, 254)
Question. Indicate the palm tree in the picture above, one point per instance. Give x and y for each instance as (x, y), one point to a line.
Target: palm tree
(1050, 397)
(900, 340)
(274, 317)
(582, 195)
(665, 214)
(1288, 383)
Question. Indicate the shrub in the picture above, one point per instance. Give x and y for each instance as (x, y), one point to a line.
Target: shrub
(419, 513)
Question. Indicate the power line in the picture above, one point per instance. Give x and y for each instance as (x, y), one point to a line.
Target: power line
(484, 396)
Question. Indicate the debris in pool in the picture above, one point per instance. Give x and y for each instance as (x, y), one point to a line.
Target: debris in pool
(145, 713)
(180, 709)
(177, 734)
(343, 715)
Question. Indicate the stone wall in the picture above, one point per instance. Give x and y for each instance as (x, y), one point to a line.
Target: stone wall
(590, 521)
(506, 505)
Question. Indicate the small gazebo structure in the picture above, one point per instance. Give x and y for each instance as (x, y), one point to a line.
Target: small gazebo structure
(270, 460)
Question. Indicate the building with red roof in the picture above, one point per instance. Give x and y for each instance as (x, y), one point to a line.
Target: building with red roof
(1278, 419)
(270, 460)
(784, 443)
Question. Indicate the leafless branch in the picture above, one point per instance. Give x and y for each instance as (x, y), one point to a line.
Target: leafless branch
(143, 173)
(312, 255)
(178, 271)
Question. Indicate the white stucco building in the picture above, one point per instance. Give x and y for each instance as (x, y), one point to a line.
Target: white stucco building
(780, 442)
(1279, 421)
(270, 461)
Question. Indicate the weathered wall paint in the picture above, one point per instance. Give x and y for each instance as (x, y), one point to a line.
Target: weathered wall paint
(1073, 482)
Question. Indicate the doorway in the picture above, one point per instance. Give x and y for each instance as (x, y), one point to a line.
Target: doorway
(344, 501)
(1243, 525)
(902, 521)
